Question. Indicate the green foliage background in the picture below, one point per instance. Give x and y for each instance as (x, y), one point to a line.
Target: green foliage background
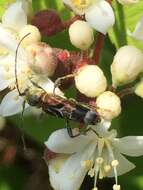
(129, 123)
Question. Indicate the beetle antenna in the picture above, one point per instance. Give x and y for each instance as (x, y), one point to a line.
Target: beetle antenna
(15, 70)
(18, 89)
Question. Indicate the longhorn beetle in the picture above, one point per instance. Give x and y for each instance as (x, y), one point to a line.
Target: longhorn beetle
(58, 106)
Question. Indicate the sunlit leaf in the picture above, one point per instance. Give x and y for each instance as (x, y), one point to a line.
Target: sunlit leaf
(126, 19)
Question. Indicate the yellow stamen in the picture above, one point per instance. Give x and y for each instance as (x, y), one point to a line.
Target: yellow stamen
(116, 187)
(101, 175)
(87, 163)
(91, 172)
(99, 160)
(107, 168)
(95, 188)
(114, 163)
(80, 4)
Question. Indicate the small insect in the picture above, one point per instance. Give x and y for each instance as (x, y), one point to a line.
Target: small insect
(68, 109)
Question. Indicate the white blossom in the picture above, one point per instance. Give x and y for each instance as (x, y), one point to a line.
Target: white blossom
(13, 21)
(98, 14)
(98, 153)
(16, 15)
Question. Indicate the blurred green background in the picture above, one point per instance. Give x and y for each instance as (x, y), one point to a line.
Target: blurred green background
(26, 170)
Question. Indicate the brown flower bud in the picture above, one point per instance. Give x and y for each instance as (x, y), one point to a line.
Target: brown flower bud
(48, 22)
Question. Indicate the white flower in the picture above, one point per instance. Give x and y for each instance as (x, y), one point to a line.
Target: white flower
(13, 21)
(138, 32)
(98, 153)
(15, 17)
(98, 13)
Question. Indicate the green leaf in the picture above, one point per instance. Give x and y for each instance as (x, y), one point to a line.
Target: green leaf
(126, 19)
(56, 4)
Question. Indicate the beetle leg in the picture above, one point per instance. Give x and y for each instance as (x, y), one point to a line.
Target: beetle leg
(58, 81)
(69, 130)
(84, 130)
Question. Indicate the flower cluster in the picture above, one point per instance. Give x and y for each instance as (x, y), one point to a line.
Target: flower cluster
(98, 154)
(32, 53)
(29, 65)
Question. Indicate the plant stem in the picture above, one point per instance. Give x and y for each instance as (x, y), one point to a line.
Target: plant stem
(67, 24)
(125, 92)
(99, 44)
(98, 48)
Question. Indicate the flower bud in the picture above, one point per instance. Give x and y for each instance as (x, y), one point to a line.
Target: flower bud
(108, 105)
(126, 66)
(43, 60)
(32, 38)
(90, 80)
(48, 21)
(81, 34)
(128, 2)
(139, 89)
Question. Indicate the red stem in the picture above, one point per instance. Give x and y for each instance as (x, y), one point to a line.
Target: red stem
(98, 47)
(67, 24)
(99, 44)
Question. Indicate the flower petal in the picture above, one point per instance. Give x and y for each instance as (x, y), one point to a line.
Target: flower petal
(138, 32)
(15, 16)
(100, 16)
(102, 128)
(131, 145)
(6, 71)
(8, 41)
(71, 6)
(61, 142)
(54, 166)
(11, 104)
(124, 165)
(72, 173)
(48, 86)
(4, 83)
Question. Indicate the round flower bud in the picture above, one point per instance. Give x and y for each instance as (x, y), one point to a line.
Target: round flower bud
(33, 37)
(128, 2)
(139, 89)
(43, 61)
(108, 105)
(126, 66)
(90, 80)
(81, 34)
